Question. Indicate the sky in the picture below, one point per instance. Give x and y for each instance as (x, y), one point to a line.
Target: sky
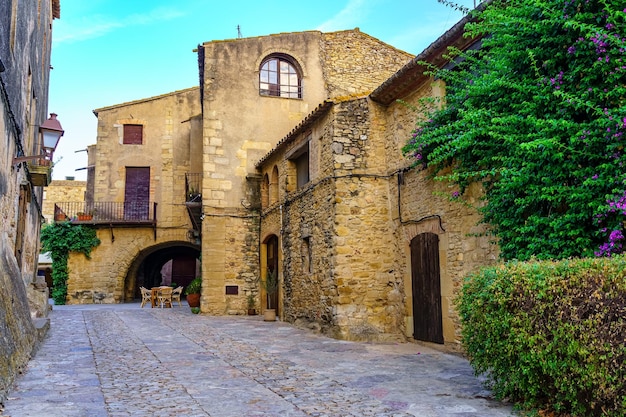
(107, 52)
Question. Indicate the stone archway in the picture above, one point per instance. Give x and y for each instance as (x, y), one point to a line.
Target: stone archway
(145, 269)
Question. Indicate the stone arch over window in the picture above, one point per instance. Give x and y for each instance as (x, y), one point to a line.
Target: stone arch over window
(280, 75)
(274, 186)
(265, 191)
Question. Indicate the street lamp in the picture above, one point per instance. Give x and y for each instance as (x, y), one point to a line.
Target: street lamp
(40, 171)
(51, 131)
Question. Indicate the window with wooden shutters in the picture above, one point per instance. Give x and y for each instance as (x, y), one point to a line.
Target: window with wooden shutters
(133, 134)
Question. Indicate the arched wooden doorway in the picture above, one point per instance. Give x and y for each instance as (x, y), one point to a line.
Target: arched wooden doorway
(425, 276)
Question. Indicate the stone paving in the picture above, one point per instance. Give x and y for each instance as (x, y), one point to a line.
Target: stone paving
(122, 360)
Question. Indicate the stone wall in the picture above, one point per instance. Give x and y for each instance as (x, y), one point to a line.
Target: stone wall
(356, 63)
(232, 261)
(62, 191)
(338, 263)
(423, 205)
(25, 56)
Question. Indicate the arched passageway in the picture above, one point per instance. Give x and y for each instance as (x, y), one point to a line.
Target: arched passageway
(165, 263)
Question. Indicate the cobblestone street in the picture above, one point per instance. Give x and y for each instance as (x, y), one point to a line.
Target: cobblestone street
(121, 360)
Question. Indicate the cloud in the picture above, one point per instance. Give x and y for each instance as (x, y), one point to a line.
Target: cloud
(84, 28)
(349, 17)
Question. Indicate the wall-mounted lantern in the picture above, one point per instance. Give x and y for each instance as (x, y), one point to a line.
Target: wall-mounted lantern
(40, 165)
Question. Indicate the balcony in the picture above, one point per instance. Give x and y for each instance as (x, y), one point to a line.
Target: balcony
(134, 213)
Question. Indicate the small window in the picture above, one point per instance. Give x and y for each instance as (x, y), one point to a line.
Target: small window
(279, 77)
(133, 134)
(302, 168)
(299, 165)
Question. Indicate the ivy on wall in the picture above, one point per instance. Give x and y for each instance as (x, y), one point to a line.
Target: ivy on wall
(60, 239)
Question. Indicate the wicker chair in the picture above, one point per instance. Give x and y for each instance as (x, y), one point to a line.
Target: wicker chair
(176, 295)
(164, 296)
(146, 296)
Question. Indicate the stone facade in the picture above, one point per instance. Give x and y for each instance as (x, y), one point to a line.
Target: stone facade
(345, 236)
(237, 133)
(338, 255)
(24, 77)
(130, 254)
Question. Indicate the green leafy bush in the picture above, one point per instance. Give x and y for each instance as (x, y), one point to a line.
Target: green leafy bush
(550, 335)
(60, 239)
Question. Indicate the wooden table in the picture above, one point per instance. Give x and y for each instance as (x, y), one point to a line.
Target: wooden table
(154, 296)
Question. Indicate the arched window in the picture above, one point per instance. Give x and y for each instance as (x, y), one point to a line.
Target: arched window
(274, 186)
(279, 76)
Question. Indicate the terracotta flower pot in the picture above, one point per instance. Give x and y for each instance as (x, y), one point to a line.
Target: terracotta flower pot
(193, 300)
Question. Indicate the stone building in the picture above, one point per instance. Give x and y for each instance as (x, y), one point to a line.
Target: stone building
(287, 158)
(172, 177)
(25, 44)
(254, 91)
(139, 195)
(367, 248)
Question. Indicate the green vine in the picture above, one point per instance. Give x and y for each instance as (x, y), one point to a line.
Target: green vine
(537, 116)
(60, 239)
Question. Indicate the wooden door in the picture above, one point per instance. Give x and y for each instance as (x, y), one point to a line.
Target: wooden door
(137, 193)
(425, 277)
(272, 264)
(183, 270)
(21, 223)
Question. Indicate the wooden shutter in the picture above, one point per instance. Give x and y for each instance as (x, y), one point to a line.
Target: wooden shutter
(133, 134)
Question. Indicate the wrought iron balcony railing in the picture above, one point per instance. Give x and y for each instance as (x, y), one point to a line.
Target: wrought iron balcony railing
(107, 212)
(193, 187)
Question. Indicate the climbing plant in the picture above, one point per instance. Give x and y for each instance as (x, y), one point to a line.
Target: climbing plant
(59, 239)
(537, 116)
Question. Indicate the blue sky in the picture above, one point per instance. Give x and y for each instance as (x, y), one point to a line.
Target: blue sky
(107, 52)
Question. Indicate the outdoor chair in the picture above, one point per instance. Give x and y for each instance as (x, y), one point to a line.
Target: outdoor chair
(164, 296)
(146, 296)
(176, 295)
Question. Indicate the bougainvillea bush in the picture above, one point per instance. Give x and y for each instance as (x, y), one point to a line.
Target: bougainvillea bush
(538, 116)
(551, 334)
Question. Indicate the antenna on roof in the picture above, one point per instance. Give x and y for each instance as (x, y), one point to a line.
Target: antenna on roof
(239, 32)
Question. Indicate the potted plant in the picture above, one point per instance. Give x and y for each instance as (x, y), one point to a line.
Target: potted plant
(193, 292)
(84, 216)
(251, 305)
(271, 287)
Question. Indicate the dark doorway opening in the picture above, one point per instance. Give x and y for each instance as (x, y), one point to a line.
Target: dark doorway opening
(171, 263)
